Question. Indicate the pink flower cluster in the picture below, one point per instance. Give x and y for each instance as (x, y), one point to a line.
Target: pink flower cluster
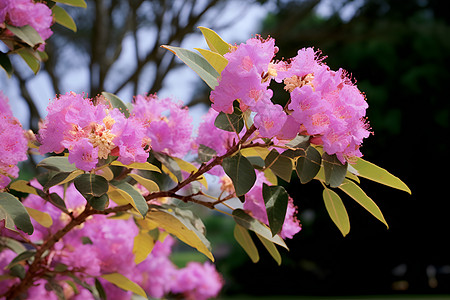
(254, 202)
(167, 124)
(102, 246)
(13, 144)
(27, 12)
(324, 104)
(91, 132)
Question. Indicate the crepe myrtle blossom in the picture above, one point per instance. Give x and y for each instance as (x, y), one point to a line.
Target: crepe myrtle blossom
(13, 143)
(27, 12)
(166, 122)
(91, 132)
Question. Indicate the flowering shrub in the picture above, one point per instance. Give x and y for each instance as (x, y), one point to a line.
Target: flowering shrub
(100, 221)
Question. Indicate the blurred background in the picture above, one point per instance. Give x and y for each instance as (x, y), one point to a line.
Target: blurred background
(399, 54)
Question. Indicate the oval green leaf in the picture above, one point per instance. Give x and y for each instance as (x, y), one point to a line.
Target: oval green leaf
(276, 200)
(335, 171)
(116, 102)
(308, 165)
(214, 41)
(14, 214)
(245, 240)
(241, 172)
(124, 283)
(61, 17)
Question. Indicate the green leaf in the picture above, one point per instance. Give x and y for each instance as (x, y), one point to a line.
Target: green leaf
(214, 41)
(245, 240)
(57, 163)
(241, 172)
(100, 289)
(30, 58)
(21, 257)
(171, 166)
(335, 171)
(280, 165)
(12, 244)
(197, 63)
(184, 225)
(271, 248)
(57, 201)
(250, 223)
(124, 283)
(336, 210)
(14, 213)
(138, 200)
(230, 122)
(61, 17)
(375, 173)
(91, 185)
(308, 165)
(61, 178)
(78, 3)
(276, 200)
(215, 59)
(205, 153)
(354, 191)
(27, 34)
(116, 102)
(23, 186)
(5, 63)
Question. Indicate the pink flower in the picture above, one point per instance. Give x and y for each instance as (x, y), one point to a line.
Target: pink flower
(198, 281)
(270, 119)
(246, 77)
(168, 125)
(13, 144)
(84, 155)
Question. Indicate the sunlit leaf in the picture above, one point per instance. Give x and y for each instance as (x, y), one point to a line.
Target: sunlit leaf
(190, 168)
(197, 63)
(61, 178)
(354, 191)
(41, 217)
(245, 240)
(78, 3)
(27, 34)
(215, 59)
(336, 210)
(142, 246)
(132, 196)
(124, 283)
(271, 248)
(169, 166)
(61, 17)
(140, 166)
(214, 41)
(14, 213)
(183, 225)
(30, 58)
(276, 201)
(23, 186)
(241, 172)
(255, 151)
(250, 223)
(150, 185)
(373, 172)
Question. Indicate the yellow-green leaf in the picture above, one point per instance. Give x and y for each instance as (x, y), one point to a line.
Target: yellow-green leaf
(23, 186)
(105, 173)
(271, 248)
(245, 240)
(182, 230)
(120, 197)
(150, 185)
(142, 247)
(375, 173)
(61, 17)
(78, 3)
(215, 59)
(255, 151)
(190, 168)
(140, 166)
(42, 218)
(214, 41)
(336, 210)
(124, 283)
(354, 191)
(31, 60)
